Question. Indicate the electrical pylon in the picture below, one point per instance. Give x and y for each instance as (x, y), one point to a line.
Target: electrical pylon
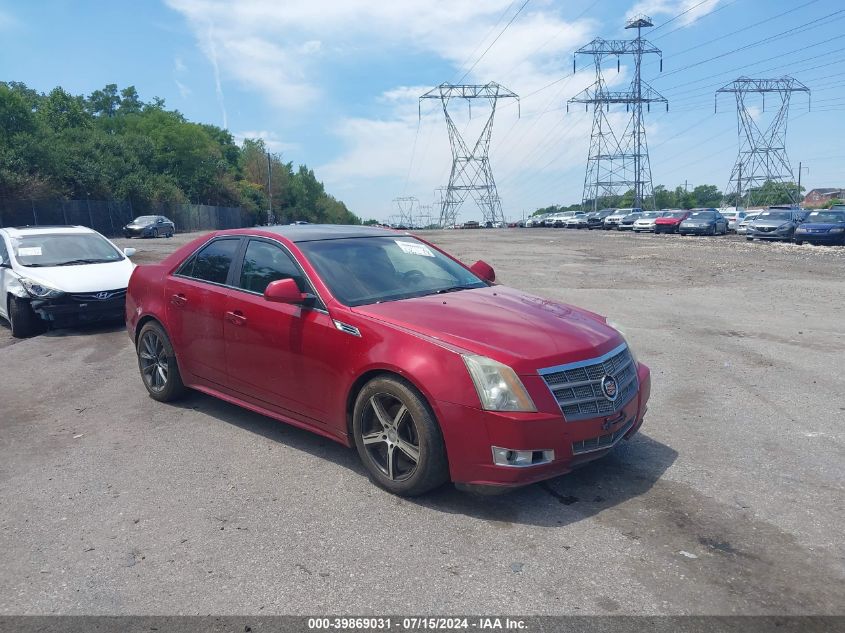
(762, 155)
(617, 163)
(407, 207)
(471, 173)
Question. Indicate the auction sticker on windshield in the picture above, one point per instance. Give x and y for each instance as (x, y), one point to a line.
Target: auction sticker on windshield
(414, 249)
(29, 251)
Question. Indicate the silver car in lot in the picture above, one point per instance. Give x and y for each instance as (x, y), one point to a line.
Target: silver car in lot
(645, 223)
(742, 226)
(774, 224)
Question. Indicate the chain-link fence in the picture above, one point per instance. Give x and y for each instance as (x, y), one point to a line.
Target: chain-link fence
(109, 216)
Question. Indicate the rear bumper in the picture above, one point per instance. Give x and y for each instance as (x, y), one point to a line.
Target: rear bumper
(471, 433)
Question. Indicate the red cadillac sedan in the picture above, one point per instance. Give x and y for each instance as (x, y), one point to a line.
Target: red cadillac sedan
(381, 341)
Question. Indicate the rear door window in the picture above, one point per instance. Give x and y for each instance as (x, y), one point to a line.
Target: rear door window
(212, 263)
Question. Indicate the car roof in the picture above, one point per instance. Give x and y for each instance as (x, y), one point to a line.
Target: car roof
(20, 231)
(316, 232)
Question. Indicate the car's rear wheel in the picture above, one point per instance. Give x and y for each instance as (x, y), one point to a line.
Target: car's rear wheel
(22, 318)
(398, 438)
(157, 362)
(155, 233)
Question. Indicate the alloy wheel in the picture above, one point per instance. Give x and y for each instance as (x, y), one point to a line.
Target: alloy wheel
(154, 363)
(389, 435)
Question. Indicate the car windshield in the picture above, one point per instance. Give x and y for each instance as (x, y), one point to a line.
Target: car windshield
(829, 217)
(650, 214)
(145, 219)
(676, 214)
(775, 215)
(366, 270)
(702, 215)
(63, 249)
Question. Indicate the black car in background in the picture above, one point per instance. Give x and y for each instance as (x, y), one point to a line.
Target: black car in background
(149, 226)
(775, 224)
(825, 226)
(704, 222)
(595, 219)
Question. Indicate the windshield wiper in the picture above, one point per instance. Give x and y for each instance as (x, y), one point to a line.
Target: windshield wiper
(73, 262)
(453, 289)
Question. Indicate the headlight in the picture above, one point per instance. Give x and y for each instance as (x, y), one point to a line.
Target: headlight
(800, 229)
(498, 386)
(621, 331)
(40, 291)
(837, 230)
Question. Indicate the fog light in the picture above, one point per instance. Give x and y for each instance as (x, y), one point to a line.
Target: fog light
(509, 457)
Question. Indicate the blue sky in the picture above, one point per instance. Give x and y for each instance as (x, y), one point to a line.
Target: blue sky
(335, 83)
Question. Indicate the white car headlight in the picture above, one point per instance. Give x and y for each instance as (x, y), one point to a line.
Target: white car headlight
(39, 290)
(837, 229)
(498, 386)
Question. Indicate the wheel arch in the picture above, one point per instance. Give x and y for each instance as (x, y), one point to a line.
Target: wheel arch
(377, 372)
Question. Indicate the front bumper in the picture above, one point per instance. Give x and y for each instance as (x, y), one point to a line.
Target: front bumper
(144, 232)
(470, 434)
(769, 235)
(626, 227)
(665, 228)
(820, 238)
(76, 309)
(695, 230)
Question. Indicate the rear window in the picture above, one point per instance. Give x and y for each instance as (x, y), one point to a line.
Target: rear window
(212, 263)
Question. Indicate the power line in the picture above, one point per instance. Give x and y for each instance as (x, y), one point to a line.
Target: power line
(502, 32)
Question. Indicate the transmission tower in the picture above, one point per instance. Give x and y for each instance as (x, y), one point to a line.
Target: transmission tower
(407, 206)
(423, 216)
(619, 162)
(762, 155)
(471, 173)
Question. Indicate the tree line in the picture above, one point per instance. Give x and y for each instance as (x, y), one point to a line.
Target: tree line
(702, 196)
(112, 145)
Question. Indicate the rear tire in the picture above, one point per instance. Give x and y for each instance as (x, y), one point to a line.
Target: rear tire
(22, 318)
(398, 438)
(155, 233)
(157, 362)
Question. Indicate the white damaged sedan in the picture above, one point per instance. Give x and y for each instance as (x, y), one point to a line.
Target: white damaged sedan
(60, 276)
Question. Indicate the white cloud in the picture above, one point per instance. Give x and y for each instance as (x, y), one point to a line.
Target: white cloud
(692, 10)
(272, 141)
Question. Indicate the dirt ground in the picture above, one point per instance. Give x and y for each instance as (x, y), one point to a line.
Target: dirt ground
(729, 501)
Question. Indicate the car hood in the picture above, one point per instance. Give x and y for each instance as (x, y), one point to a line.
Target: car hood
(667, 220)
(82, 278)
(515, 328)
(698, 221)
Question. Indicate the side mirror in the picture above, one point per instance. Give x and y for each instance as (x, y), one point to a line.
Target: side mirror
(129, 252)
(286, 291)
(484, 270)
(5, 263)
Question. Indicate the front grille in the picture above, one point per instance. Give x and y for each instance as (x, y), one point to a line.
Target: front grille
(104, 295)
(765, 229)
(577, 386)
(601, 442)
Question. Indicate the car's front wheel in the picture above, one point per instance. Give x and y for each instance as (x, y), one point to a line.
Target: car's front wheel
(398, 438)
(22, 318)
(157, 362)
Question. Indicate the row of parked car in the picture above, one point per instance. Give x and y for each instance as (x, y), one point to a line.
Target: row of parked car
(823, 226)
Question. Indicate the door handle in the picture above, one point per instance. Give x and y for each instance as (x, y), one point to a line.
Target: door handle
(236, 318)
(178, 299)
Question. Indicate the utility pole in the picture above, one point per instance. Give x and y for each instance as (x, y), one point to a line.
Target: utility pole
(738, 187)
(269, 192)
(800, 168)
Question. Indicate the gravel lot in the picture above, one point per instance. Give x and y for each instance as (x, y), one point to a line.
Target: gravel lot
(730, 501)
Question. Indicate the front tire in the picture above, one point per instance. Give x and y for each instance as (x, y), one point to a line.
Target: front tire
(157, 362)
(22, 318)
(155, 234)
(398, 438)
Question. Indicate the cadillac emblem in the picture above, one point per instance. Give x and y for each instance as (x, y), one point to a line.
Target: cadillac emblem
(610, 388)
